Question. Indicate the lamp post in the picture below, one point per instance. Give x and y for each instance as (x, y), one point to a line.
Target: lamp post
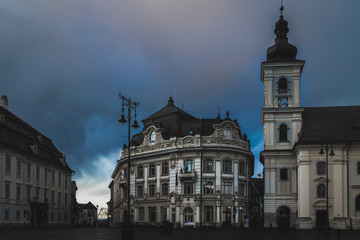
(126, 118)
(327, 180)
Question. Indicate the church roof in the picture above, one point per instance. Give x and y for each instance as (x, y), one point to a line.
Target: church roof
(18, 135)
(330, 125)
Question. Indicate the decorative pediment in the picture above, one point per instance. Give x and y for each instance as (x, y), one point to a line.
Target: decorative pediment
(320, 203)
(188, 140)
(34, 148)
(320, 180)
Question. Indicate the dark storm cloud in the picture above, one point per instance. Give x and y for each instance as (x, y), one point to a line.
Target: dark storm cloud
(62, 64)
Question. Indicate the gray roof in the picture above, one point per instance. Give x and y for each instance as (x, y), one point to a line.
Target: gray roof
(330, 125)
(18, 135)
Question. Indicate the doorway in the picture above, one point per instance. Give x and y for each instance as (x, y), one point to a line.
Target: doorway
(227, 216)
(283, 217)
(321, 218)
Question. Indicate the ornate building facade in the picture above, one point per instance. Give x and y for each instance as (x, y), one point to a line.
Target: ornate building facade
(189, 171)
(35, 180)
(300, 183)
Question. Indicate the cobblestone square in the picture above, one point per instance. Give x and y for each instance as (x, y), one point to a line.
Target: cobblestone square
(152, 234)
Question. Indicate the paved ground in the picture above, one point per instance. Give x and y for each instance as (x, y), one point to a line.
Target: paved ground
(186, 234)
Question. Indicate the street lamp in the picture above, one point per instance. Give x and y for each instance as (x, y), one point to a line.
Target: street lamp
(126, 118)
(327, 180)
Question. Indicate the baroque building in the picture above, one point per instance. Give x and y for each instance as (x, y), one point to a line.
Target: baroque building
(300, 183)
(189, 171)
(35, 179)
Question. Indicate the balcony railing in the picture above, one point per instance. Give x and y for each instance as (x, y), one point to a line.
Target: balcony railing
(187, 175)
(283, 91)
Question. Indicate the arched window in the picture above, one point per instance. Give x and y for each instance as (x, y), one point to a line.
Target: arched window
(283, 86)
(227, 133)
(321, 191)
(283, 135)
(152, 137)
(188, 216)
(357, 203)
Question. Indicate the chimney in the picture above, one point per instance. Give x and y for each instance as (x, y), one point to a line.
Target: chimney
(4, 102)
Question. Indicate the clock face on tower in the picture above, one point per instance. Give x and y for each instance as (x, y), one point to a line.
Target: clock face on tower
(283, 102)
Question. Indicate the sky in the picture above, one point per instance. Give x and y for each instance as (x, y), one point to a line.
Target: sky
(64, 62)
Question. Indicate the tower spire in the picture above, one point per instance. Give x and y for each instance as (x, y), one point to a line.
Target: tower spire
(281, 8)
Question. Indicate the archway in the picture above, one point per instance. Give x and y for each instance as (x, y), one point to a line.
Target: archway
(188, 217)
(283, 217)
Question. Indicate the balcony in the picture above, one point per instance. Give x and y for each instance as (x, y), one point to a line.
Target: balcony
(187, 175)
(283, 91)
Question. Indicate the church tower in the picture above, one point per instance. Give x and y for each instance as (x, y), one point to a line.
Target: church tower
(281, 118)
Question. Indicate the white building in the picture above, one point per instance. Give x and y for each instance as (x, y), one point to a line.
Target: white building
(294, 171)
(185, 170)
(35, 180)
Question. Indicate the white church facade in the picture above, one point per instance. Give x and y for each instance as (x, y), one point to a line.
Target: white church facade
(311, 155)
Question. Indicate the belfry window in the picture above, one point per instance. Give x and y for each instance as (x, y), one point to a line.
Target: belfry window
(321, 191)
(283, 133)
(283, 86)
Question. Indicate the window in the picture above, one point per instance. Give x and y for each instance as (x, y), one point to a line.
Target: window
(152, 137)
(357, 203)
(37, 194)
(141, 214)
(188, 166)
(7, 191)
(282, 86)
(66, 182)
(37, 174)
(227, 188)
(188, 188)
(163, 213)
(321, 190)
(152, 214)
(320, 167)
(52, 197)
(152, 170)
(241, 189)
(152, 190)
(17, 215)
(164, 189)
(188, 216)
(125, 176)
(165, 169)
(140, 191)
(7, 213)
(358, 167)
(59, 217)
(65, 217)
(241, 168)
(208, 165)
(209, 214)
(28, 193)
(59, 180)
(45, 195)
(140, 171)
(227, 166)
(59, 198)
(45, 177)
(53, 179)
(65, 200)
(227, 133)
(208, 187)
(28, 174)
(8, 166)
(283, 136)
(52, 216)
(18, 192)
(18, 169)
(283, 174)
